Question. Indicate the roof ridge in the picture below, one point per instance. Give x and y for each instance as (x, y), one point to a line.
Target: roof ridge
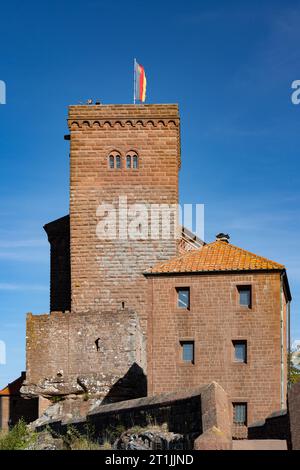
(216, 256)
(243, 250)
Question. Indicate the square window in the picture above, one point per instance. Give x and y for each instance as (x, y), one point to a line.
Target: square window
(240, 413)
(245, 296)
(240, 351)
(187, 351)
(183, 297)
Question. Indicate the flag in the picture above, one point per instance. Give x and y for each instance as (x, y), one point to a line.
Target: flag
(140, 82)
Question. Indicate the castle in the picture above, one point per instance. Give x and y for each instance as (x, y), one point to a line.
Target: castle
(147, 315)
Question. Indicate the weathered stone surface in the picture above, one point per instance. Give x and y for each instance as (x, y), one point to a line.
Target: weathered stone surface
(216, 420)
(70, 408)
(45, 441)
(101, 354)
(201, 416)
(53, 412)
(51, 386)
(149, 439)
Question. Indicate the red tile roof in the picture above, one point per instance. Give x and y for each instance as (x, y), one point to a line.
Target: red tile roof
(216, 256)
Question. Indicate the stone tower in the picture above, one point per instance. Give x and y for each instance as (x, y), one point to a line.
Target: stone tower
(94, 339)
(130, 152)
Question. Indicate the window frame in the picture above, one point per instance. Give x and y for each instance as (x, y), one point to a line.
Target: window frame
(113, 157)
(237, 342)
(111, 162)
(245, 405)
(243, 288)
(118, 158)
(128, 158)
(182, 343)
(132, 156)
(180, 289)
(135, 157)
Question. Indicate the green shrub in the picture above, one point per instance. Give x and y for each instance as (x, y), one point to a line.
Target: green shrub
(18, 438)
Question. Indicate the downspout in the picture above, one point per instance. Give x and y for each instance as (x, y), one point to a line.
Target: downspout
(289, 342)
(281, 345)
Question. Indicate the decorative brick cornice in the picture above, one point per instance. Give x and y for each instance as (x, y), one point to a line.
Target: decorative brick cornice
(126, 117)
(123, 115)
(121, 122)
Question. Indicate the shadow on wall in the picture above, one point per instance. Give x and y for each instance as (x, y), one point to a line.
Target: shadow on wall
(13, 406)
(132, 385)
(58, 232)
(21, 408)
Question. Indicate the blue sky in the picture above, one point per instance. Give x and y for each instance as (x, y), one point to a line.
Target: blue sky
(229, 65)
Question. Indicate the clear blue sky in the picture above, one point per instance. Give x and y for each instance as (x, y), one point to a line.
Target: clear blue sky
(229, 65)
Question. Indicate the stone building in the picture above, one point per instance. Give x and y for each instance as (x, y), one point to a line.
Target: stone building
(220, 314)
(14, 407)
(145, 313)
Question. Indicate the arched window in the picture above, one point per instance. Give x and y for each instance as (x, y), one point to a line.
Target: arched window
(135, 161)
(118, 161)
(114, 160)
(111, 161)
(132, 160)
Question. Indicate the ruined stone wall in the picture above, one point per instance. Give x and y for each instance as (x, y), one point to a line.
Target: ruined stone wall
(101, 353)
(106, 273)
(215, 319)
(275, 426)
(284, 424)
(201, 415)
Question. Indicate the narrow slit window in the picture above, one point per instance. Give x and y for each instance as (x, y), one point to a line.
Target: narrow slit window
(128, 161)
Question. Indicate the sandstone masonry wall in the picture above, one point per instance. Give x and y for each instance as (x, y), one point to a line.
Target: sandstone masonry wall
(214, 320)
(100, 353)
(106, 273)
(202, 415)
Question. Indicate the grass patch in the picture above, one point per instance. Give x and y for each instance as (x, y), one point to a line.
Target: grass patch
(74, 440)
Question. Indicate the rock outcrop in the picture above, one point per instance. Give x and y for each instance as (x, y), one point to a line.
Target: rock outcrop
(152, 438)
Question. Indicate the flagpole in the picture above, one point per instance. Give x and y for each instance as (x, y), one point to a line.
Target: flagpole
(134, 80)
